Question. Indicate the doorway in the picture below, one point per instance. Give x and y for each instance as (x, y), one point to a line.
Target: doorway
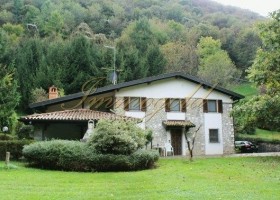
(176, 141)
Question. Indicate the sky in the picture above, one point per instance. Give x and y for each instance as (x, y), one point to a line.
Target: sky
(263, 7)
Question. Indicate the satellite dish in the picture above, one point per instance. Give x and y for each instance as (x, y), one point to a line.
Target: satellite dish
(113, 77)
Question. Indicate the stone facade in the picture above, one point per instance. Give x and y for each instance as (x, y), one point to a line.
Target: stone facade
(155, 115)
(195, 115)
(228, 129)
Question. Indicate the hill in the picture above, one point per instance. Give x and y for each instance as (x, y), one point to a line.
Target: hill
(62, 42)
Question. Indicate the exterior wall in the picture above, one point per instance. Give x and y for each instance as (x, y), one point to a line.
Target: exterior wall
(63, 131)
(156, 92)
(153, 120)
(172, 88)
(76, 104)
(38, 132)
(213, 121)
(196, 116)
(93, 102)
(58, 131)
(228, 129)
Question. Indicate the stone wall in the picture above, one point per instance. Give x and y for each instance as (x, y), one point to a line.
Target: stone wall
(195, 115)
(268, 147)
(228, 129)
(153, 120)
(156, 114)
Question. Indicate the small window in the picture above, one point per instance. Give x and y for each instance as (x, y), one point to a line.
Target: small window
(175, 105)
(212, 105)
(134, 103)
(213, 136)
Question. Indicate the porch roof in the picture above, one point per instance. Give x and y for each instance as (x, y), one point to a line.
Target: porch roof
(81, 115)
(183, 123)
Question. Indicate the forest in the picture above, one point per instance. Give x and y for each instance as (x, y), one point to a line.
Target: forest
(67, 42)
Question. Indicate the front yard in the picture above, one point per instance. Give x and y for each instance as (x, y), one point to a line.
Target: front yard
(174, 178)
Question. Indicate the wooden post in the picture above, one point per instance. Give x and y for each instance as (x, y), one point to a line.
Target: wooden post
(7, 161)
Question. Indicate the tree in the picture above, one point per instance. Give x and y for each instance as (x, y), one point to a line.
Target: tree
(215, 66)
(190, 138)
(180, 57)
(28, 59)
(139, 52)
(245, 47)
(9, 97)
(263, 111)
(265, 69)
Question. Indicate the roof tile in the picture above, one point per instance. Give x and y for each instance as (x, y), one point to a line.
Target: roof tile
(75, 115)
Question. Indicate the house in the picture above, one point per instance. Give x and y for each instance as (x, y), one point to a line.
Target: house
(168, 104)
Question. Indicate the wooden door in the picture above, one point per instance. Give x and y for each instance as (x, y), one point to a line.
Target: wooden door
(176, 141)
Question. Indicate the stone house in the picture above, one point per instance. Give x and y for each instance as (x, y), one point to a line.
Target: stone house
(168, 104)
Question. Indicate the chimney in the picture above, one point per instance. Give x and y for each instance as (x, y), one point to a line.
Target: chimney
(53, 92)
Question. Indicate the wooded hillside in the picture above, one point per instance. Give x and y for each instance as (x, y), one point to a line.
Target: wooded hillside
(62, 42)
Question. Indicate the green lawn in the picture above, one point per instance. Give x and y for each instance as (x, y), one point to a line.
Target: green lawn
(247, 89)
(205, 178)
(263, 135)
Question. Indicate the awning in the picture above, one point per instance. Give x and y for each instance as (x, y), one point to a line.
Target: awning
(178, 123)
(75, 115)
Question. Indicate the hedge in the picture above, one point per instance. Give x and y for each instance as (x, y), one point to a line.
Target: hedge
(14, 147)
(78, 156)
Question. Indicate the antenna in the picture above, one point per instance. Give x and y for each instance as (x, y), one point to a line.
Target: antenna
(114, 76)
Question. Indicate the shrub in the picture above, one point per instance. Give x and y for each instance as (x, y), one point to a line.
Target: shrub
(24, 131)
(14, 147)
(139, 160)
(78, 156)
(55, 154)
(6, 136)
(117, 137)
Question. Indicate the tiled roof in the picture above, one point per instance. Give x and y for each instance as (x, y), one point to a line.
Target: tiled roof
(74, 115)
(178, 123)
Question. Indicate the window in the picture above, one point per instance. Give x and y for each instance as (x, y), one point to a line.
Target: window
(212, 106)
(175, 105)
(135, 103)
(213, 135)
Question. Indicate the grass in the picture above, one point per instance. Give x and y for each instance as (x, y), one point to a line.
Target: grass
(247, 89)
(263, 135)
(205, 178)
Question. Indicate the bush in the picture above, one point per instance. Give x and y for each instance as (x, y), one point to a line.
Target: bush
(55, 154)
(139, 160)
(6, 136)
(24, 131)
(117, 137)
(14, 147)
(78, 156)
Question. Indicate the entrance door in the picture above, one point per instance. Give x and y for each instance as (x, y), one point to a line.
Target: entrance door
(176, 141)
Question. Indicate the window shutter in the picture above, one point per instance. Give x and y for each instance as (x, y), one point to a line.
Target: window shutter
(143, 104)
(205, 106)
(183, 105)
(126, 103)
(220, 106)
(167, 105)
